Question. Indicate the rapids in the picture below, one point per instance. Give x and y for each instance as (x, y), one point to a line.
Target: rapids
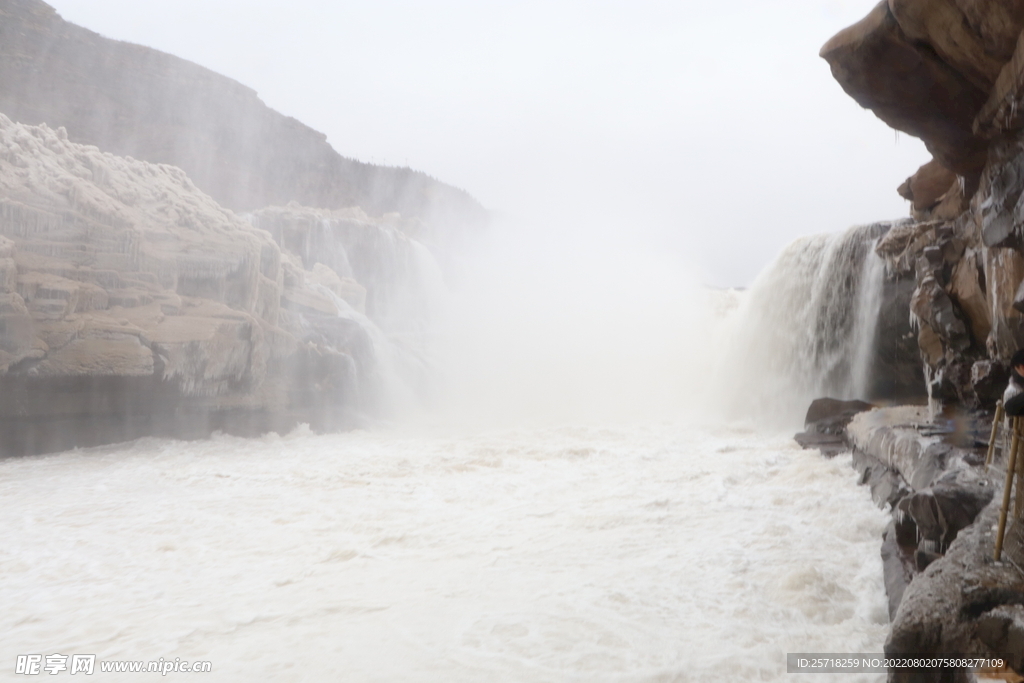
(657, 552)
(574, 506)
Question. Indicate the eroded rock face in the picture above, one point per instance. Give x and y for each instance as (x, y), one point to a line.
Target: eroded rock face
(910, 86)
(946, 71)
(132, 303)
(968, 273)
(134, 101)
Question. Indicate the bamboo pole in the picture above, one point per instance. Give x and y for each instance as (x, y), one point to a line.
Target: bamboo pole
(1011, 467)
(1018, 507)
(995, 430)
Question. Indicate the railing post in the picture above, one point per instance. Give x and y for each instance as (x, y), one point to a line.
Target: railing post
(995, 430)
(1011, 469)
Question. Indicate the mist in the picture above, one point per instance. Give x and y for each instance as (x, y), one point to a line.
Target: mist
(714, 132)
(299, 411)
(575, 321)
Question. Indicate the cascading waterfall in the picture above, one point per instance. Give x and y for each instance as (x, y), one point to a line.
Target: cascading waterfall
(808, 327)
(570, 517)
(868, 308)
(390, 341)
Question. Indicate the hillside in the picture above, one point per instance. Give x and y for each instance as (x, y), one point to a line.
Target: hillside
(134, 101)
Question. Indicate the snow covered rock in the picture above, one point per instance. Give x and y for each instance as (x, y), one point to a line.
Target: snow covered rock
(118, 275)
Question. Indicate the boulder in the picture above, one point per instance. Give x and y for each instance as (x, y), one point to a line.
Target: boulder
(825, 424)
(988, 379)
(830, 415)
(829, 445)
(946, 507)
(1002, 630)
(943, 609)
(925, 189)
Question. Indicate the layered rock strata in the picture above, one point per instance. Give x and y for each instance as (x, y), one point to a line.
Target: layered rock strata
(968, 271)
(134, 101)
(132, 303)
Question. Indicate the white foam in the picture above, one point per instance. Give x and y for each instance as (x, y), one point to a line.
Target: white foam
(641, 553)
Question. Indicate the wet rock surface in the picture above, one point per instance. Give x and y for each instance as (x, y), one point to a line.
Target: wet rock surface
(952, 73)
(946, 595)
(959, 604)
(825, 424)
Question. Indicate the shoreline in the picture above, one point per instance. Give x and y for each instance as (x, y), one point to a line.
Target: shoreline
(946, 593)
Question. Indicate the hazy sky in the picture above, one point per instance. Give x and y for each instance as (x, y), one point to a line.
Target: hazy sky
(709, 130)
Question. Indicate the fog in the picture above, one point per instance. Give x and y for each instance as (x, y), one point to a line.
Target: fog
(711, 132)
(551, 493)
(546, 327)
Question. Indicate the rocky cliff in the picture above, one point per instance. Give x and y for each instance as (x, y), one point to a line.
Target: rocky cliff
(951, 72)
(132, 303)
(134, 101)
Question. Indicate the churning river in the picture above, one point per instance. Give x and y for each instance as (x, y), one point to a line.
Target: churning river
(657, 552)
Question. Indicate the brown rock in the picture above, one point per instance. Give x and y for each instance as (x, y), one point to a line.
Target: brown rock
(934, 309)
(131, 303)
(954, 202)
(928, 185)
(988, 379)
(125, 357)
(943, 25)
(930, 345)
(966, 290)
(901, 246)
(1004, 271)
(909, 87)
(1000, 112)
(997, 22)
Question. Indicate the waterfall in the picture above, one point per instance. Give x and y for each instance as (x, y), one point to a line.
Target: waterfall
(809, 327)
(867, 309)
(389, 333)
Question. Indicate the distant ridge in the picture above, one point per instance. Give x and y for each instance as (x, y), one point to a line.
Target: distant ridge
(136, 101)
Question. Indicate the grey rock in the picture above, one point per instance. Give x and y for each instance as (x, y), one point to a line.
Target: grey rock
(948, 506)
(1002, 630)
(887, 486)
(897, 570)
(988, 379)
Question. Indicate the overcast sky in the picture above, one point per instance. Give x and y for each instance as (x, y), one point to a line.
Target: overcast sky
(709, 130)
